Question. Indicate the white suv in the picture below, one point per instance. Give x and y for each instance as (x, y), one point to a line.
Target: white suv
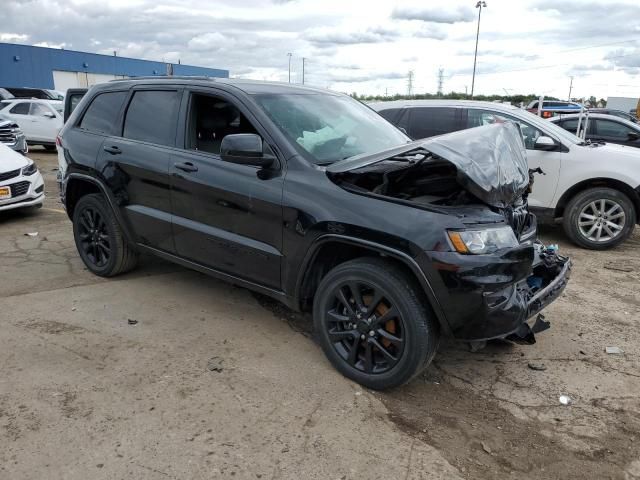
(592, 188)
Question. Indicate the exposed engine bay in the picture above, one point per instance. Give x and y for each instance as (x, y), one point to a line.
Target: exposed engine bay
(419, 177)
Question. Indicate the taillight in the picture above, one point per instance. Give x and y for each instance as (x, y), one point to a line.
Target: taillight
(58, 141)
(547, 114)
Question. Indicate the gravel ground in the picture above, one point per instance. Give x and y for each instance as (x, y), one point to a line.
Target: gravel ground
(211, 381)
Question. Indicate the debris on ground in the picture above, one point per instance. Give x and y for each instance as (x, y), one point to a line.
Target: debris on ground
(540, 367)
(215, 364)
(31, 234)
(486, 448)
(565, 399)
(132, 321)
(614, 350)
(618, 266)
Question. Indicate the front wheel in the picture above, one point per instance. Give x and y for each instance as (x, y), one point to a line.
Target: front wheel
(599, 218)
(373, 324)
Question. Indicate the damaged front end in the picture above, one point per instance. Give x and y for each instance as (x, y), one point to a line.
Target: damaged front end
(493, 275)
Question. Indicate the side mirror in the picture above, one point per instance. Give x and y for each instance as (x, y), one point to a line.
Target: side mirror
(545, 143)
(49, 115)
(633, 136)
(244, 149)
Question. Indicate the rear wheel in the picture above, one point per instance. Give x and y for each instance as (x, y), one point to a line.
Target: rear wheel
(372, 323)
(599, 218)
(99, 238)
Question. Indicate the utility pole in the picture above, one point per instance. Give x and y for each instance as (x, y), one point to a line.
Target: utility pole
(440, 81)
(410, 83)
(289, 55)
(570, 87)
(303, 60)
(479, 5)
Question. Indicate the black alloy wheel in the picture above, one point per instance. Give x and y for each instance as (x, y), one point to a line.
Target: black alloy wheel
(93, 236)
(374, 323)
(99, 238)
(365, 327)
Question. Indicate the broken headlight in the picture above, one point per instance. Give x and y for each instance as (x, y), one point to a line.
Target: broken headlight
(478, 242)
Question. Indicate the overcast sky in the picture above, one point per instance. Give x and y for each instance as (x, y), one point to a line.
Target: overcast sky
(362, 46)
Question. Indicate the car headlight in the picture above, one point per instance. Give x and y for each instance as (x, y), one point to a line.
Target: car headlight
(478, 242)
(29, 169)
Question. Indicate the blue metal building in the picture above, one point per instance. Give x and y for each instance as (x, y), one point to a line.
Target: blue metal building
(40, 67)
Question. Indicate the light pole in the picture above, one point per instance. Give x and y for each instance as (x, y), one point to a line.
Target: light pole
(289, 55)
(479, 6)
(303, 60)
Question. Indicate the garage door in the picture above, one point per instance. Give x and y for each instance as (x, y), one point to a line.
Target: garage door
(64, 80)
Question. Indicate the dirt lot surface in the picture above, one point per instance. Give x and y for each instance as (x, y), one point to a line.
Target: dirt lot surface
(212, 381)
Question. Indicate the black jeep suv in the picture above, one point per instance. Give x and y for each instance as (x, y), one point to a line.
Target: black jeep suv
(314, 199)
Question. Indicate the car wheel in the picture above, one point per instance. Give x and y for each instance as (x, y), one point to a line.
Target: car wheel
(599, 218)
(372, 323)
(99, 238)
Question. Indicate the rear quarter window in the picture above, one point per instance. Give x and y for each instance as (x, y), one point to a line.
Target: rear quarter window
(391, 114)
(102, 114)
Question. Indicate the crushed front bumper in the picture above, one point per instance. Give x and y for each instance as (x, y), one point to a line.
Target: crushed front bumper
(494, 296)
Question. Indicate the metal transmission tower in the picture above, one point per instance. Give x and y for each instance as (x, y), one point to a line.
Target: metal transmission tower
(410, 83)
(440, 81)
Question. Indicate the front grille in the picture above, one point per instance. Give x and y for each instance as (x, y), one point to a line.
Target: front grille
(19, 188)
(6, 135)
(7, 175)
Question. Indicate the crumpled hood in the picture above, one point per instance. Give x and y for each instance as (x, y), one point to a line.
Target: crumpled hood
(491, 160)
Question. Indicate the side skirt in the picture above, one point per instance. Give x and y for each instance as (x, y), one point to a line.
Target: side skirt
(275, 294)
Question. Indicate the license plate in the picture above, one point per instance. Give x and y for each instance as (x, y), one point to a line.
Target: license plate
(5, 192)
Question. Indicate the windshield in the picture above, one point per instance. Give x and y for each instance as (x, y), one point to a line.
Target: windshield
(330, 127)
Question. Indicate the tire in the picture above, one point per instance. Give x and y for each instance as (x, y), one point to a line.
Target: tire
(401, 313)
(581, 209)
(110, 254)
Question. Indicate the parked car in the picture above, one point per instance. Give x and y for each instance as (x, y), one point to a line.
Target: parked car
(12, 136)
(551, 108)
(21, 184)
(593, 189)
(313, 199)
(39, 93)
(617, 113)
(5, 94)
(40, 120)
(602, 128)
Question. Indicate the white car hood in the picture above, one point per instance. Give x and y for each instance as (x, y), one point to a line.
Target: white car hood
(11, 160)
(612, 148)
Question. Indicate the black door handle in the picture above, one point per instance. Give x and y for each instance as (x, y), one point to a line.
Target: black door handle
(113, 150)
(186, 167)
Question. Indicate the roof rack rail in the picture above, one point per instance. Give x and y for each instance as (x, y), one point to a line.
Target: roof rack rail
(172, 77)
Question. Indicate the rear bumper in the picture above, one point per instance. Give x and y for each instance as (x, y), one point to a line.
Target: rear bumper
(493, 296)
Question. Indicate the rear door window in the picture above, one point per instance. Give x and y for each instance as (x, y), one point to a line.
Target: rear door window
(21, 108)
(102, 114)
(570, 125)
(430, 121)
(151, 116)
